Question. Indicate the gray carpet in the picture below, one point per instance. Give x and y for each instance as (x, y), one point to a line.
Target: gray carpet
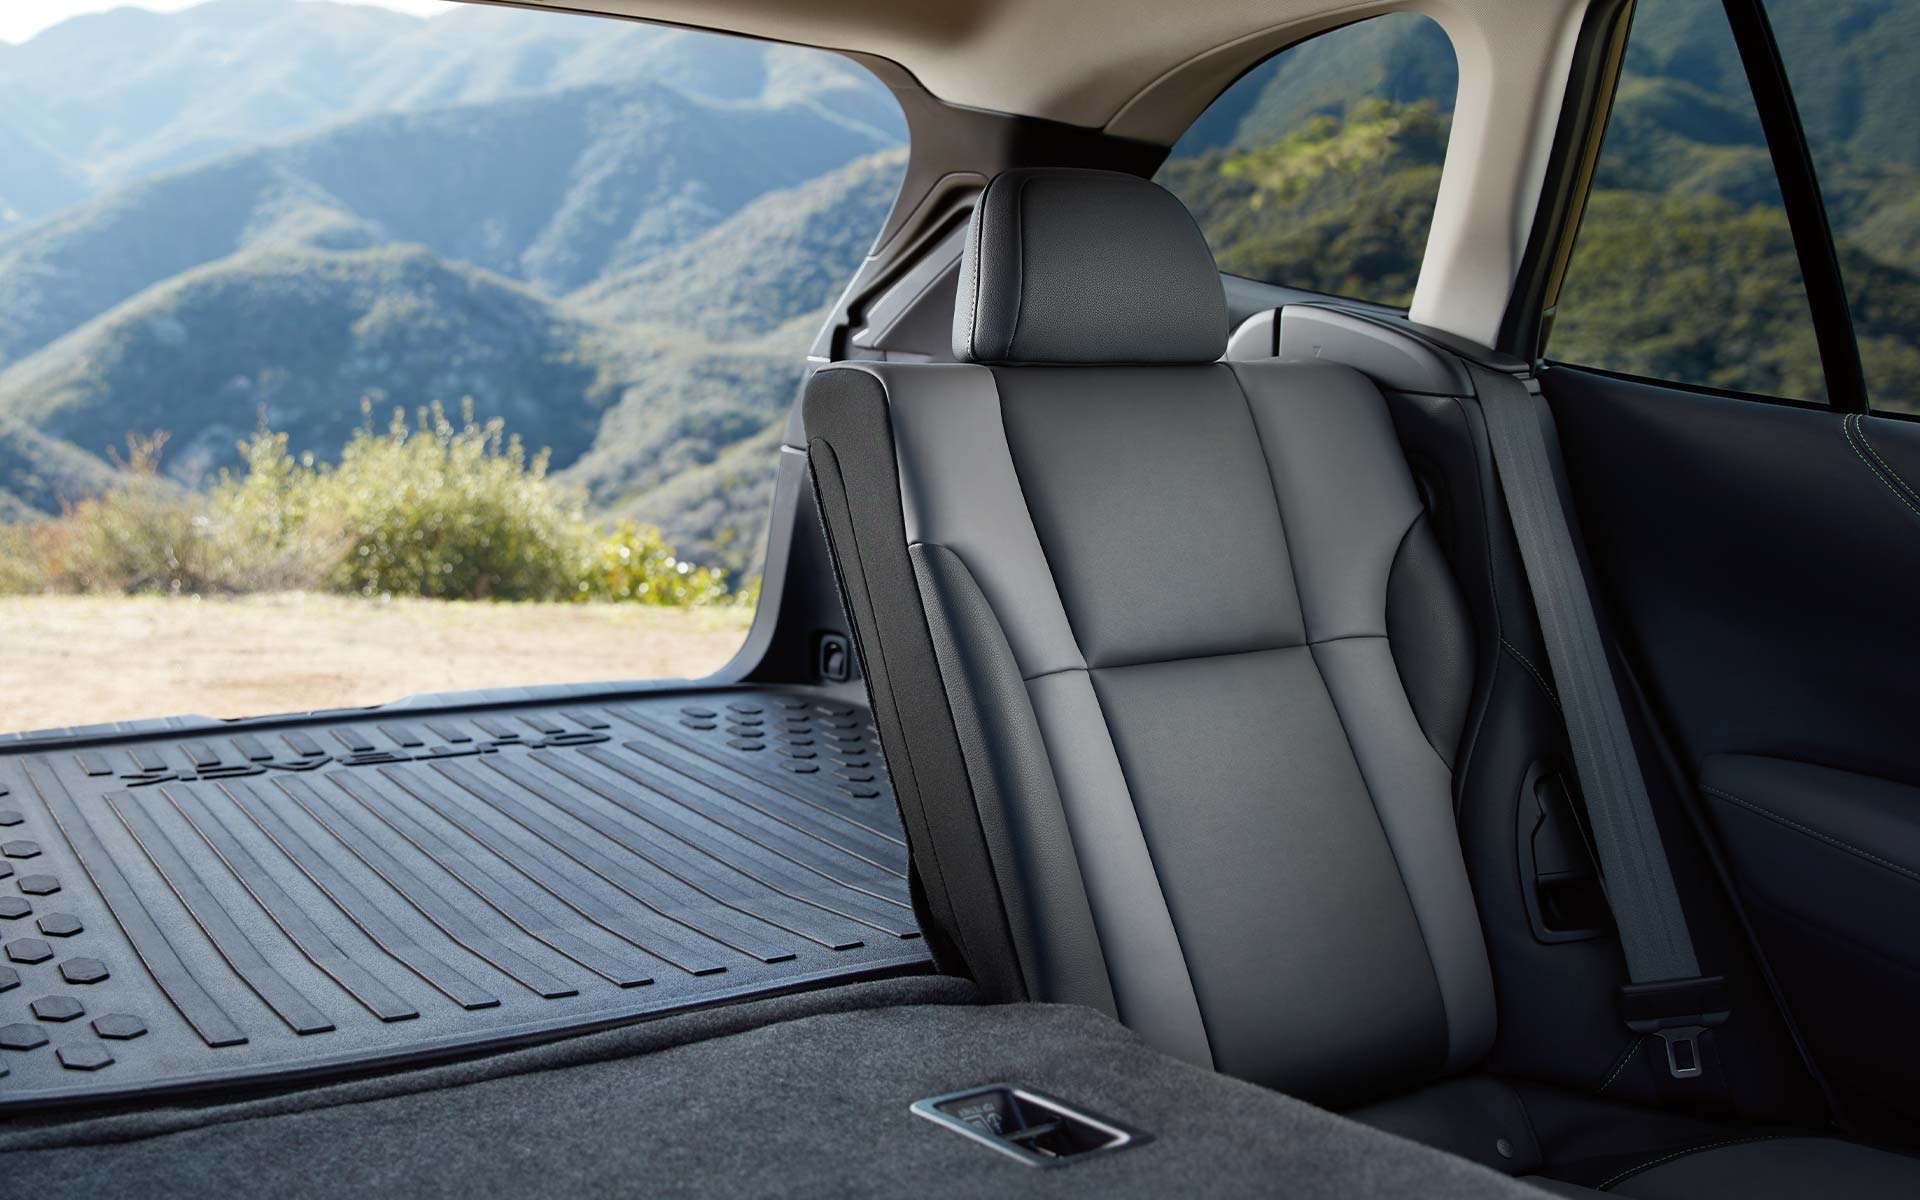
(800, 1096)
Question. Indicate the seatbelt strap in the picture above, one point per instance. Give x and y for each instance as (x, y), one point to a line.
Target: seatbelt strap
(1667, 995)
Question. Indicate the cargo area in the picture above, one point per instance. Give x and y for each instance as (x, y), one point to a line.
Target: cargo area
(187, 903)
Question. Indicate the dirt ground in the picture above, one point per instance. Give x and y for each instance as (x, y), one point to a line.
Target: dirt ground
(74, 660)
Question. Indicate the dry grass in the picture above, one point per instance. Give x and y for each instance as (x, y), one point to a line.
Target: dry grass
(72, 660)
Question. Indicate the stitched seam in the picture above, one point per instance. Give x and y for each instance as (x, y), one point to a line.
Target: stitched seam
(1398, 673)
(1185, 658)
(1648, 1166)
(1813, 833)
(1019, 262)
(973, 292)
(1860, 431)
(1624, 1060)
(1533, 671)
(1470, 739)
(1847, 432)
(1279, 510)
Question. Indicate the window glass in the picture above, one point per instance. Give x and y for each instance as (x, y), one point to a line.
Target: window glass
(1850, 66)
(353, 350)
(1684, 268)
(1319, 168)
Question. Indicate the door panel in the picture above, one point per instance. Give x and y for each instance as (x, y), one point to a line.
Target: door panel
(1763, 563)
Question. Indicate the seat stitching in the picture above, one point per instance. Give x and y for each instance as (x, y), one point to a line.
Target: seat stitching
(973, 291)
(1860, 431)
(1847, 432)
(1398, 673)
(1813, 833)
(1186, 658)
(1533, 671)
(1667, 1158)
(1019, 262)
(1624, 1060)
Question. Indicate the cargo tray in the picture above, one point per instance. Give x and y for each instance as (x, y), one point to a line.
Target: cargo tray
(247, 904)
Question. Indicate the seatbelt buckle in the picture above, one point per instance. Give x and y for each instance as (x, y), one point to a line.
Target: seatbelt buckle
(1677, 1011)
(1683, 1050)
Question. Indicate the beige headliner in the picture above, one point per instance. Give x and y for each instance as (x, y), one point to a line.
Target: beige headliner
(1145, 68)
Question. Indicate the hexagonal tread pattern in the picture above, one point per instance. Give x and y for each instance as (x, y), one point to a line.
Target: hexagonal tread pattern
(83, 970)
(58, 1008)
(29, 951)
(119, 1026)
(84, 1057)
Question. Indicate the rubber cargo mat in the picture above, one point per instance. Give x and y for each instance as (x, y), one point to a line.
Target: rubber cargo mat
(216, 906)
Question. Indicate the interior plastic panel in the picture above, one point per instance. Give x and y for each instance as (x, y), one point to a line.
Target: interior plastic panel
(306, 897)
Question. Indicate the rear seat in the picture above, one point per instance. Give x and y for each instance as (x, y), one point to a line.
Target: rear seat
(1170, 670)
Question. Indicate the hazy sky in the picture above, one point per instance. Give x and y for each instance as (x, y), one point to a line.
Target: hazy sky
(21, 19)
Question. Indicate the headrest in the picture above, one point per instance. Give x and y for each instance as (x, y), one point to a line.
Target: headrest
(1066, 266)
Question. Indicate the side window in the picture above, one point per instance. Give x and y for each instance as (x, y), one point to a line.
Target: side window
(1849, 68)
(1319, 168)
(1684, 268)
(354, 351)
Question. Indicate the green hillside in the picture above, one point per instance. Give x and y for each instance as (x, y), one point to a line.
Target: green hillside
(629, 402)
(1684, 267)
(782, 256)
(301, 337)
(552, 189)
(38, 473)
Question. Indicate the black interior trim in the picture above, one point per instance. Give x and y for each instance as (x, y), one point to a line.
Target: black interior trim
(1806, 210)
(1591, 79)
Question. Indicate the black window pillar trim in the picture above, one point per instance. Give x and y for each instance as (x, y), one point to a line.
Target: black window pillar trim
(1570, 176)
(1591, 79)
(1806, 209)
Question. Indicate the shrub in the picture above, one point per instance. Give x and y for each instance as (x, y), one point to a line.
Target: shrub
(634, 563)
(435, 510)
(431, 509)
(143, 534)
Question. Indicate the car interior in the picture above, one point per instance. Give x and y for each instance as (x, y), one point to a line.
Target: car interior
(1198, 735)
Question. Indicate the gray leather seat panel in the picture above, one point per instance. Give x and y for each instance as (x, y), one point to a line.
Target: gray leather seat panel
(1152, 502)
(959, 490)
(1020, 811)
(1342, 486)
(1145, 961)
(1305, 954)
(1411, 790)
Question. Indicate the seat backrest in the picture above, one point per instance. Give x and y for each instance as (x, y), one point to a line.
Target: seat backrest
(1198, 647)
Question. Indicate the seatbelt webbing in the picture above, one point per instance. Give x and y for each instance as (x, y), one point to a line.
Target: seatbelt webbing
(1638, 880)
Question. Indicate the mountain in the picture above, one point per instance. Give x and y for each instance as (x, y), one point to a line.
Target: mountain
(125, 93)
(658, 415)
(37, 180)
(39, 473)
(1339, 205)
(782, 256)
(554, 190)
(1400, 57)
(300, 339)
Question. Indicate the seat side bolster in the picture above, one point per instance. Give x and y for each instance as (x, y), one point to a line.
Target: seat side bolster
(856, 483)
(1349, 503)
(1013, 788)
